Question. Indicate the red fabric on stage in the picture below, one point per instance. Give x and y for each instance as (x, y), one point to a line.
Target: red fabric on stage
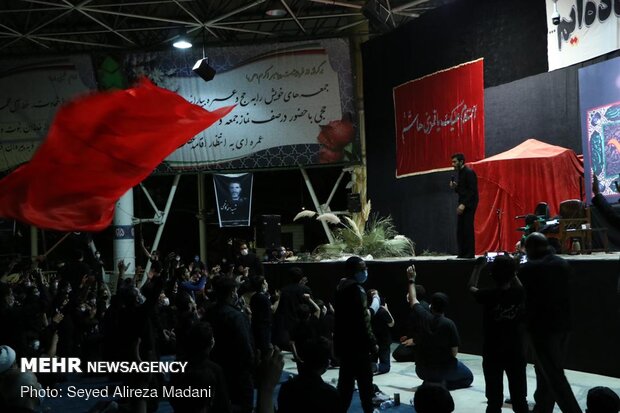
(439, 115)
(98, 147)
(514, 182)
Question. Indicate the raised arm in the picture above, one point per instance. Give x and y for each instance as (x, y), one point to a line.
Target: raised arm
(411, 294)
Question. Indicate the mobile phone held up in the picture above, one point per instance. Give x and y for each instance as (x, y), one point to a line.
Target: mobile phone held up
(491, 255)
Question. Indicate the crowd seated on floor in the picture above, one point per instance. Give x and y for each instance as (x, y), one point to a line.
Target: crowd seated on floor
(230, 328)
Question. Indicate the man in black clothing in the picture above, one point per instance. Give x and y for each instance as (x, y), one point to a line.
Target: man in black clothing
(545, 277)
(503, 348)
(202, 373)
(466, 186)
(307, 392)
(233, 350)
(248, 260)
(286, 317)
(437, 341)
(354, 342)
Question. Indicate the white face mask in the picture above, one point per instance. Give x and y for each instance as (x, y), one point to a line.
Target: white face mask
(177, 258)
(165, 302)
(244, 251)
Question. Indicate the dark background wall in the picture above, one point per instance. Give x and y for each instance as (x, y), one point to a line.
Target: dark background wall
(522, 101)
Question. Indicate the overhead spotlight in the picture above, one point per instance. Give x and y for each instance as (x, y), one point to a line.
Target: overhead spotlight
(182, 41)
(202, 69)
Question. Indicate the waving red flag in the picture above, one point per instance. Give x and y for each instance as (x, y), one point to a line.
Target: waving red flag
(97, 148)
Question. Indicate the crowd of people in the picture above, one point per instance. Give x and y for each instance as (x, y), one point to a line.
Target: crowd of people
(231, 329)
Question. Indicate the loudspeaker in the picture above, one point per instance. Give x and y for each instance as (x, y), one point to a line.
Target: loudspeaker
(202, 69)
(354, 203)
(268, 231)
(378, 14)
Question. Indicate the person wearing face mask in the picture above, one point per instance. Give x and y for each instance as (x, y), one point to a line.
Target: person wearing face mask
(354, 342)
(248, 260)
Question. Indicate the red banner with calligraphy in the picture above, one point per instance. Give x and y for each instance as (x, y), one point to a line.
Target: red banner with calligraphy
(439, 115)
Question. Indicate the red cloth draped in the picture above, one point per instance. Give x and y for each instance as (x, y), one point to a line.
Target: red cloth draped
(514, 181)
(439, 115)
(98, 147)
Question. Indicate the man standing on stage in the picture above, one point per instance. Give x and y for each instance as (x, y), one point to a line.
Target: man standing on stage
(466, 186)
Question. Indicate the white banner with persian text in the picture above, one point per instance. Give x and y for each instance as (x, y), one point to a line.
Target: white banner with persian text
(294, 105)
(31, 93)
(586, 29)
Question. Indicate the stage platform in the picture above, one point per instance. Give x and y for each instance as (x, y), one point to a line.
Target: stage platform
(595, 338)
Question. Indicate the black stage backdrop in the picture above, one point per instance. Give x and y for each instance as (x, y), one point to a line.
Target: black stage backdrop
(522, 101)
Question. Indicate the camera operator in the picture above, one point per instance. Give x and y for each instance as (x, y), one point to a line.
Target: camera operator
(503, 348)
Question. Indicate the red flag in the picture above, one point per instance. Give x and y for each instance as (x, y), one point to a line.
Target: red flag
(97, 148)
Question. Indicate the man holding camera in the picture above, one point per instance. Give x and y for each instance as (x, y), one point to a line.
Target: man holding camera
(503, 348)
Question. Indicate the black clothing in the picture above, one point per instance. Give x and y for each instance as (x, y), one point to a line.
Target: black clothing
(606, 210)
(233, 351)
(286, 316)
(381, 330)
(260, 305)
(435, 337)
(252, 262)
(403, 353)
(201, 374)
(354, 343)
(551, 384)
(493, 367)
(308, 393)
(352, 330)
(467, 190)
(235, 210)
(546, 282)
(380, 327)
(306, 331)
(504, 346)
(355, 368)
(503, 319)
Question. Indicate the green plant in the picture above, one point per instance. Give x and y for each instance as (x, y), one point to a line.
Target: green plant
(379, 239)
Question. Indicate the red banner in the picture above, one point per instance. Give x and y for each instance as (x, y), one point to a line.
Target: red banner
(97, 148)
(439, 115)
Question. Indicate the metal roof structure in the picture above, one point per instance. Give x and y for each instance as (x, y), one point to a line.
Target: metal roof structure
(35, 27)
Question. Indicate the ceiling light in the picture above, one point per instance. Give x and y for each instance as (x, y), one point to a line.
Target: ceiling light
(182, 44)
(182, 41)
